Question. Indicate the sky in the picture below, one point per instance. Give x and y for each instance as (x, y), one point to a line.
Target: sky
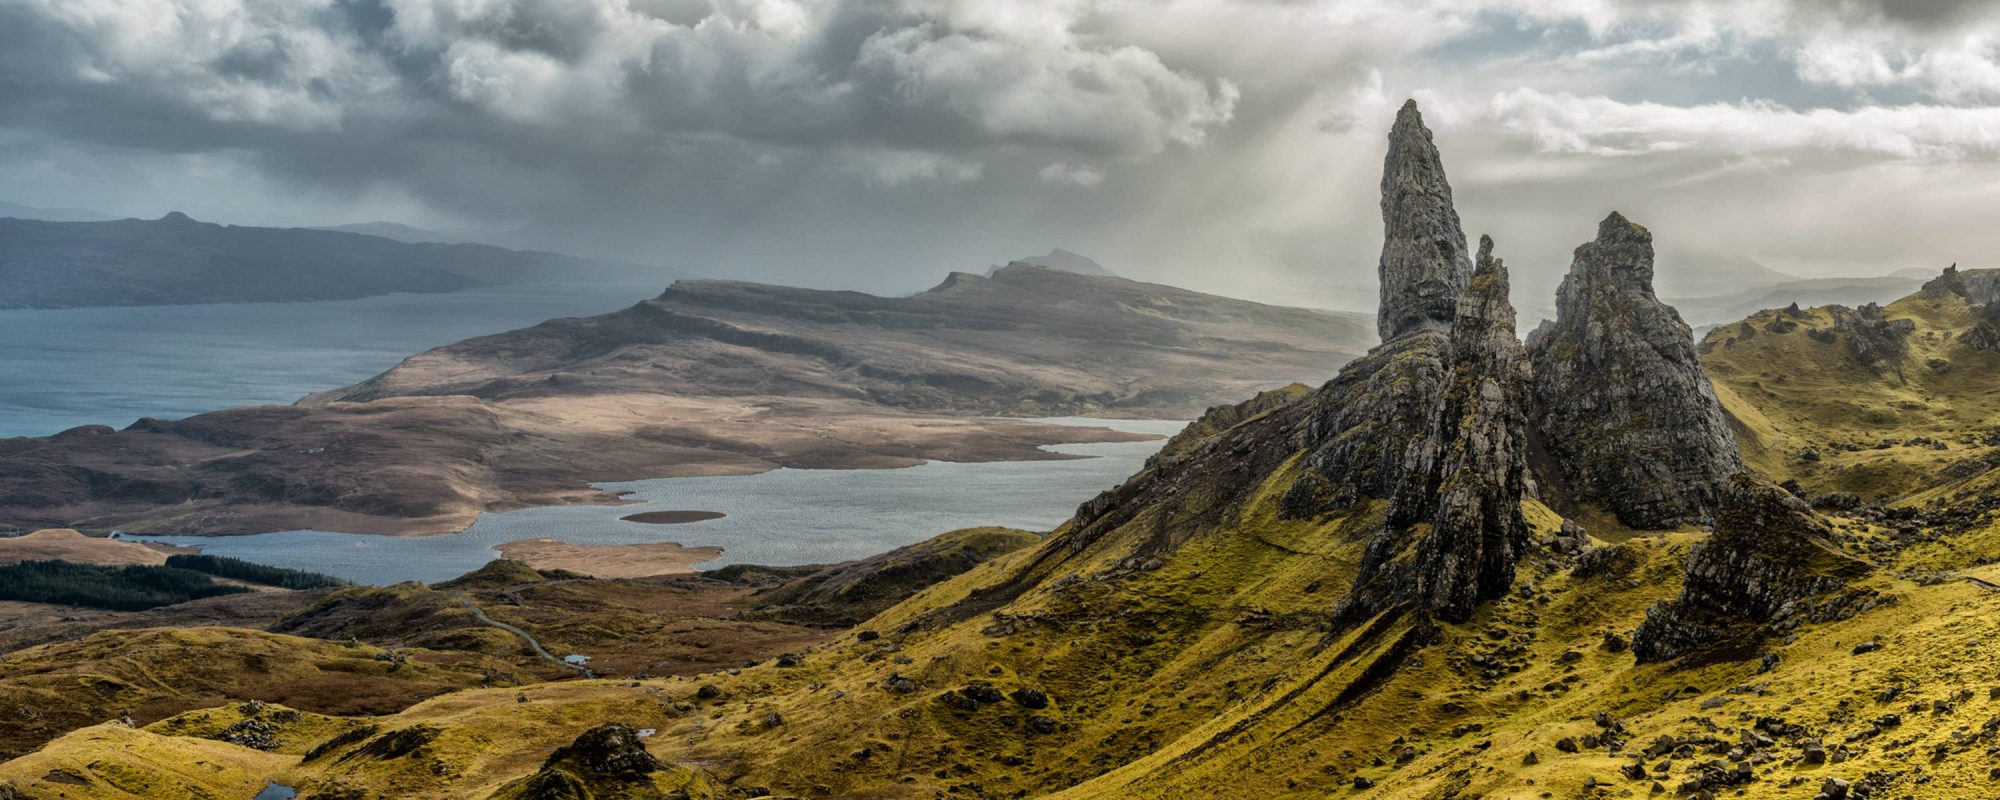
(875, 144)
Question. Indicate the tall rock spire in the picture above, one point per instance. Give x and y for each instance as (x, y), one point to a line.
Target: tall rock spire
(1424, 264)
(1630, 421)
(1454, 528)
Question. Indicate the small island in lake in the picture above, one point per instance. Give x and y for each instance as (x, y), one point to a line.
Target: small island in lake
(673, 517)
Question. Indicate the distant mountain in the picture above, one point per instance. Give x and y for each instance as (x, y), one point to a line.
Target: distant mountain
(711, 377)
(400, 232)
(18, 211)
(1718, 309)
(175, 260)
(1697, 274)
(1067, 261)
(1026, 340)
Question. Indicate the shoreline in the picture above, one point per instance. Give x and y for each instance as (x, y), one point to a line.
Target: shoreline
(776, 518)
(478, 457)
(608, 561)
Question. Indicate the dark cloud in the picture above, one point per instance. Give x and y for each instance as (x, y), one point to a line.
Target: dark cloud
(873, 143)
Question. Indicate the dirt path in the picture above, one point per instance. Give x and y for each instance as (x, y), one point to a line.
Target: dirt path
(480, 614)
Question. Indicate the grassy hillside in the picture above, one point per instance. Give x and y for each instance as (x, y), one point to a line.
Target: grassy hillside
(147, 675)
(1808, 409)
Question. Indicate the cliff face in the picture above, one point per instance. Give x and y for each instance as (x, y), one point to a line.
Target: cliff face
(1629, 420)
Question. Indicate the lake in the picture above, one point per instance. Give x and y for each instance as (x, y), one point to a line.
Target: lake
(69, 367)
(778, 518)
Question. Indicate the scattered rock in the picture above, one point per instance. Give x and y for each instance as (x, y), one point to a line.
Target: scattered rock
(1030, 698)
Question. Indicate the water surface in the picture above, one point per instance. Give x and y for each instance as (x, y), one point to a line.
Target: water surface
(69, 367)
(778, 518)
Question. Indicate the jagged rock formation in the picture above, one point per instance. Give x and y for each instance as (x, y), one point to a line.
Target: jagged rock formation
(1981, 291)
(1379, 404)
(1454, 526)
(1873, 340)
(1770, 553)
(606, 761)
(1424, 267)
(1433, 419)
(1978, 287)
(1628, 419)
(1431, 422)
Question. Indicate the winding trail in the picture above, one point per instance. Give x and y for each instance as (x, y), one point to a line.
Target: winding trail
(480, 614)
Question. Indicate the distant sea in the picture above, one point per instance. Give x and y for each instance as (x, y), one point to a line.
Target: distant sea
(110, 366)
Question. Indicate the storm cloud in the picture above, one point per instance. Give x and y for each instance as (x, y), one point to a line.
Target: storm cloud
(873, 144)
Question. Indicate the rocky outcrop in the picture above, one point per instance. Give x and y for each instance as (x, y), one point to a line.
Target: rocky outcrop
(606, 761)
(1454, 528)
(1873, 339)
(1981, 291)
(1979, 287)
(1433, 420)
(1985, 331)
(1769, 556)
(1424, 265)
(1358, 425)
(1627, 417)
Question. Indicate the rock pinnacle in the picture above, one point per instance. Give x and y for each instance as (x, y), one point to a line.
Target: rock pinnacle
(1425, 265)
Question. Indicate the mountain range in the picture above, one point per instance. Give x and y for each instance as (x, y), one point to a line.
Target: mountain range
(176, 260)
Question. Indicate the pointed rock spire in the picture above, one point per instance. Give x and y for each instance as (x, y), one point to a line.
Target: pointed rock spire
(1454, 529)
(1424, 264)
(1629, 420)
